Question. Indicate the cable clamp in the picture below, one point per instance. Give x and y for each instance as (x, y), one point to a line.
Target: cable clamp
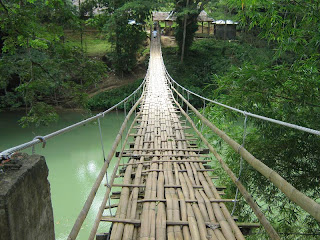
(41, 138)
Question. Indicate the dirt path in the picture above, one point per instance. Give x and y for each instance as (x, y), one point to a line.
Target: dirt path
(114, 81)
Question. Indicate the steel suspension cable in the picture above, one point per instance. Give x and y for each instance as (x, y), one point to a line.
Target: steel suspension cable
(286, 124)
(104, 160)
(42, 139)
(308, 204)
(241, 161)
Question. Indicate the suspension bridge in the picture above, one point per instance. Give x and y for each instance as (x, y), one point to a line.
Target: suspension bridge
(167, 191)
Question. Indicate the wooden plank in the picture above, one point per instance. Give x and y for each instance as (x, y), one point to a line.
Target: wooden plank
(161, 155)
(137, 222)
(162, 161)
(111, 206)
(186, 200)
(199, 150)
(121, 220)
(219, 188)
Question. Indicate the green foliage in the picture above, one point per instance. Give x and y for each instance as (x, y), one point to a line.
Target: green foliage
(207, 58)
(40, 114)
(126, 39)
(110, 98)
(35, 24)
(187, 11)
(37, 68)
(285, 87)
(294, 25)
(220, 9)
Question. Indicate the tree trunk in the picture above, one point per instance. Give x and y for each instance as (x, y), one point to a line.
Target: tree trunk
(184, 34)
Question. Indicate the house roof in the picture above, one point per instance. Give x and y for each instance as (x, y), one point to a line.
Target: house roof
(229, 22)
(163, 16)
(203, 17)
(170, 16)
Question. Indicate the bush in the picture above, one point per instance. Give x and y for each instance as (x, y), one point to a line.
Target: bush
(107, 99)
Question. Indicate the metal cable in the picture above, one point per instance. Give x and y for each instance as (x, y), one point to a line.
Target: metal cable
(286, 124)
(204, 107)
(241, 161)
(104, 159)
(6, 153)
(188, 96)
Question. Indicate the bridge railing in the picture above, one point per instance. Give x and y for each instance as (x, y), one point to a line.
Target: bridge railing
(290, 125)
(306, 203)
(43, 139)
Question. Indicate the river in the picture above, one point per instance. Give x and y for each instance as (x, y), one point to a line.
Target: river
(74, 160)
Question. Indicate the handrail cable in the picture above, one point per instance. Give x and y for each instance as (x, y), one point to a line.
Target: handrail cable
(42, 139)
(290, 125)
(241, 161)
(306, 203)
(106, 197)
(86, 207)
(256, 209)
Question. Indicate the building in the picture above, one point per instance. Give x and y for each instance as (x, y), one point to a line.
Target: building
(225, 30)
(169, 19)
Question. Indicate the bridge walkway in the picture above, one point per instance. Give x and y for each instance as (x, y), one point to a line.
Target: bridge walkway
(167, 193)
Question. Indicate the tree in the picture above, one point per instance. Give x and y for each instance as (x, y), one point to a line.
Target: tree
(285, 88)
(126, 38)
(37, 69)
(187, 12)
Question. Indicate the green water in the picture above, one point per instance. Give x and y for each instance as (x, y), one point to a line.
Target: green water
(74, 160)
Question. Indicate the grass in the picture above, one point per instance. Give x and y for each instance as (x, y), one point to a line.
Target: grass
(93, 42)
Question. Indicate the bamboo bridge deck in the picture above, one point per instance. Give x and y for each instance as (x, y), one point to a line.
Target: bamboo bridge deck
(167, 192)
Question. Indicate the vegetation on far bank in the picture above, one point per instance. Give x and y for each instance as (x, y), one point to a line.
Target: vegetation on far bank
(107, 99)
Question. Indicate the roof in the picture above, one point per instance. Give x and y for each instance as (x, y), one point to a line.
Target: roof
(203, 17)
(170, 16)
(229, 22)
(163, 16)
